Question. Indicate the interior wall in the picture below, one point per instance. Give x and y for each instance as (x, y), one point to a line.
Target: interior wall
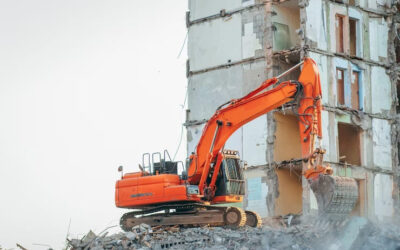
(256, 194)
(360, 208)
(349, 144)
(290, 192)
(287, 15)
(287, 137)
(287, 146)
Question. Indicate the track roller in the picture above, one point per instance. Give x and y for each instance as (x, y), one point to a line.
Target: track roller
(253, 219)
(234, 217)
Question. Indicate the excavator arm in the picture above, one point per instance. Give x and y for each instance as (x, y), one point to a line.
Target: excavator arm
(306, 97)
(236, 113)
(227, 120)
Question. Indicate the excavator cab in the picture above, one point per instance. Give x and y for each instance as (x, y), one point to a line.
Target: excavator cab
(231, 181)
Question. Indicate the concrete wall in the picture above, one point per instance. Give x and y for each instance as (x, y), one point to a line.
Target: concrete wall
(378, 37)
(223, 40)
(382, 148)
(383, 189)
(317, 26)
(215, 42)
(204, 8)
(209, 90)
(381, 89)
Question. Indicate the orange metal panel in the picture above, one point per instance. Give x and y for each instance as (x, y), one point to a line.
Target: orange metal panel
(150, 190)
(228, 199)
(132, 175)
(310, 107)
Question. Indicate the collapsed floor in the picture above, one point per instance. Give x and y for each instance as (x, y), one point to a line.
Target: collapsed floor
(354, 233)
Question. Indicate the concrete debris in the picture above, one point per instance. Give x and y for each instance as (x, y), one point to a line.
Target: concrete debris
(378, 237)
(354, 233)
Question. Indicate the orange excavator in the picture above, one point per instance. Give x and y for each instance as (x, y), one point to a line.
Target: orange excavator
(214, 175)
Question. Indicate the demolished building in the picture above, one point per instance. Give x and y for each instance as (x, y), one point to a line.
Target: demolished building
(234, 45)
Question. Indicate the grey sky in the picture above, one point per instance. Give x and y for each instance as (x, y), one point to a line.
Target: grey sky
(85, 86)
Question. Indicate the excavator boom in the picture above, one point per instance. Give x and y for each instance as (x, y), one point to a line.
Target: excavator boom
(227, 120)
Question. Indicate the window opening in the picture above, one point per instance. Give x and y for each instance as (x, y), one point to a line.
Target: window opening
(339, 34)
(349, 144)
(355, 90)
(340, 85)
(353, 36)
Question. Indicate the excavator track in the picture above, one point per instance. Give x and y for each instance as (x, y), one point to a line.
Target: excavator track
(336, 196)
(188, 215)
(253, 219)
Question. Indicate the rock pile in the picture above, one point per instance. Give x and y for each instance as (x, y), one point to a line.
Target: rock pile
(316, 235)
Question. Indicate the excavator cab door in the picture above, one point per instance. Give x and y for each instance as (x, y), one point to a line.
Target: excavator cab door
(231, 178)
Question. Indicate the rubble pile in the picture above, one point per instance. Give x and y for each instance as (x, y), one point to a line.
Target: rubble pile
(316, 235)
(378, 237)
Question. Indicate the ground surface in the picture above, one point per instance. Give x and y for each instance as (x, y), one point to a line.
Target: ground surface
(354, 233)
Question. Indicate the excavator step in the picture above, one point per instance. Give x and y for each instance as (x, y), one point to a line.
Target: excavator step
(336, 196)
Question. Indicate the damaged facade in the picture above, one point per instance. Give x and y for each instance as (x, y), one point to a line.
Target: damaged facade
(234, 45)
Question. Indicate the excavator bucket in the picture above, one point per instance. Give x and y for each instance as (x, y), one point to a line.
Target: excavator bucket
(336, 196)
